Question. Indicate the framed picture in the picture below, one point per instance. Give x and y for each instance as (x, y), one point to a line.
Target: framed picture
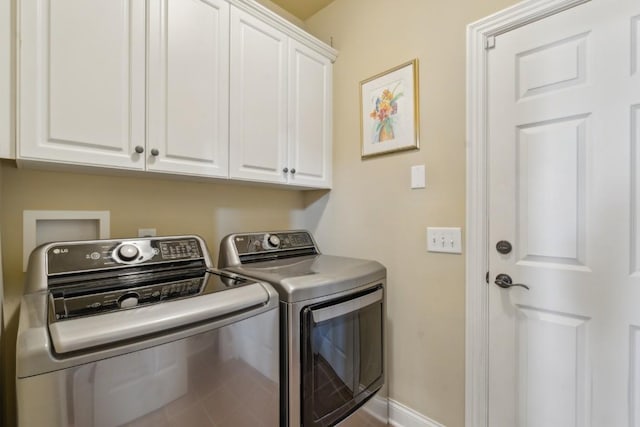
(389, 119)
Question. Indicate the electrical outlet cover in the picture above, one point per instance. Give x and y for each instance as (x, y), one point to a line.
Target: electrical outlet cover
(444, 239)
(146, 232)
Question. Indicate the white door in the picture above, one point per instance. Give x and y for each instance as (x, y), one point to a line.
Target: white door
(82, 81)
(188, 79)
(310, 138)
(564, 190)
(258, 100)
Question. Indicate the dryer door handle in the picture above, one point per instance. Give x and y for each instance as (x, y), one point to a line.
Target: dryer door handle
(333, 311)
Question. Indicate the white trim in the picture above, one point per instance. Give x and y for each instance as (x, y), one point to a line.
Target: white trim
(476, 342)
(403, 416)
(30, 219)
(377, 407)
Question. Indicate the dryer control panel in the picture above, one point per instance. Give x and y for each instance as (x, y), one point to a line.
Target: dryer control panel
(277, 241)
(242, 248)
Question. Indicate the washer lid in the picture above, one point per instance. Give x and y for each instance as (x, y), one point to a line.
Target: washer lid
(303, 278)
(209, 304)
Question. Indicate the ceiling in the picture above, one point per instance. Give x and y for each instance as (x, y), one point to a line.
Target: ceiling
(302, 9)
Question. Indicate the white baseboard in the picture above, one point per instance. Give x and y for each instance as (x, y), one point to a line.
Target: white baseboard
(397, 414)
(403, 416)
(377, 407)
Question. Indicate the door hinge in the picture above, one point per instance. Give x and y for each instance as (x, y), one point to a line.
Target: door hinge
(490, 42)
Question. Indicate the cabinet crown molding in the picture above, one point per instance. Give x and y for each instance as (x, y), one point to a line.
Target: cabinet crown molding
(287, 27)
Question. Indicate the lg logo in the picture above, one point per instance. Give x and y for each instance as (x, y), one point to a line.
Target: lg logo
(59, 251)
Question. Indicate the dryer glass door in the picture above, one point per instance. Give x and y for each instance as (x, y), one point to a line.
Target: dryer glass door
(342, 356)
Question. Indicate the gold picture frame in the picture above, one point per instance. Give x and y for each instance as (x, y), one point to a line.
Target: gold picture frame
(389, 118)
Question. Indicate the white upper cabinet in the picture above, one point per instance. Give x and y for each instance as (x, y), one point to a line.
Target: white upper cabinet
(88, 105)
(210, 88)
(280, 106)
(310, 138)
(82, 82)
(188, 78)
(258, 104)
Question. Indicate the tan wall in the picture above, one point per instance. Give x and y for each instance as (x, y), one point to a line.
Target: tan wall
(372, 212)
(280, 11)
(170, 206)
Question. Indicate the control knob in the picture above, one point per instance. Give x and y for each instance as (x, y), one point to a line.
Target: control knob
(128, 252)
(128, 300)
(271, 241)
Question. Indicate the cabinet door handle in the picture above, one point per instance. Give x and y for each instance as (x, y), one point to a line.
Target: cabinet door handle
(139, 149)
(285, 170)
(293, 171)
(154, 152)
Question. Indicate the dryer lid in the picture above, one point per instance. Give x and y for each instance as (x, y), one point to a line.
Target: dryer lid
(298, 279)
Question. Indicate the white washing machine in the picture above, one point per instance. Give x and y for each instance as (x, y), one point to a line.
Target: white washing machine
(332, 313)
(144, 332)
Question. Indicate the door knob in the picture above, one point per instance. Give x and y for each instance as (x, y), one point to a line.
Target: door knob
(504, 247)
(504, 281)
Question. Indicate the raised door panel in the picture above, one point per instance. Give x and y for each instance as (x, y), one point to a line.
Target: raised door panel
(553, 382)
(551, 158)
(81, 91)
(188, 87)
(310, 138)
(258, 121)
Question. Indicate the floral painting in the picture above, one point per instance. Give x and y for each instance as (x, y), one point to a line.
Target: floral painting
(389, 111)
(386, 108)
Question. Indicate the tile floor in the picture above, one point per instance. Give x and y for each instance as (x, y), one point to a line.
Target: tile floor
(231, 394)
(228, 394)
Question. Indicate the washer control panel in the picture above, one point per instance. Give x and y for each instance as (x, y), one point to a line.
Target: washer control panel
(97, 255)
(68, 303)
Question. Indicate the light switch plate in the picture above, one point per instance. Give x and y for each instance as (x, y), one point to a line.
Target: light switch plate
(444, 239)
(418, 176)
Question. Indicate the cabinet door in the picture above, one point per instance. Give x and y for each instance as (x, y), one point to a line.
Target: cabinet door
(188, 74)
(82, 73)
(258, 122)
(310, 130)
